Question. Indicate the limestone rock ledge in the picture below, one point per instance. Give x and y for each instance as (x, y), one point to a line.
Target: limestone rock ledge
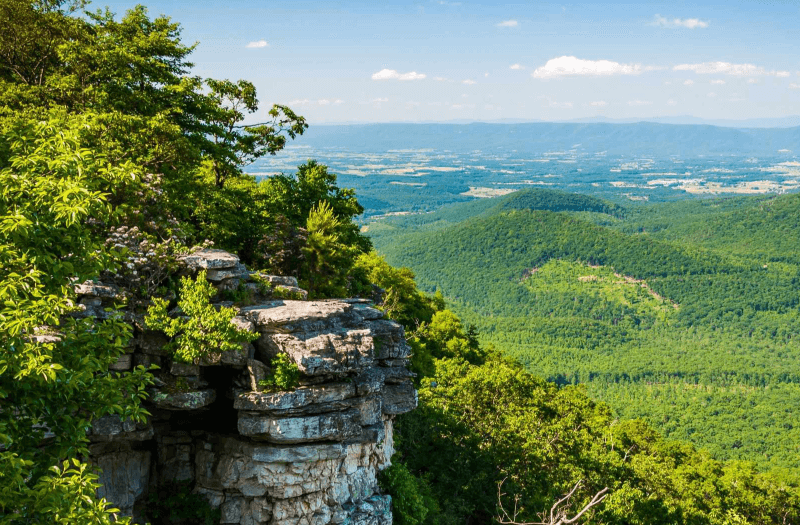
(306, 457)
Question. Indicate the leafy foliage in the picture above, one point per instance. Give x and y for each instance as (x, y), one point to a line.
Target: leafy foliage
(412, 500)
(285, 374)
(53, 367)
(200, 329)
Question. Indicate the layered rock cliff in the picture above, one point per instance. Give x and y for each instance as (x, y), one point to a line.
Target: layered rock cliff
(306, 456)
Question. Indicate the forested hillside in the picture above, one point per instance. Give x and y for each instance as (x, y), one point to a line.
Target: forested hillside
(685, 314)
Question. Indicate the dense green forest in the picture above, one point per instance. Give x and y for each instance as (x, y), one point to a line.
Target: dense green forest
(685, 314)
(114, 159)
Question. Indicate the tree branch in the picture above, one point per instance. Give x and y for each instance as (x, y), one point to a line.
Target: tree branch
(558, 512)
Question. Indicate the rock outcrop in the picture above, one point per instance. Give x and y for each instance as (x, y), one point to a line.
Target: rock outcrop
(306, 456)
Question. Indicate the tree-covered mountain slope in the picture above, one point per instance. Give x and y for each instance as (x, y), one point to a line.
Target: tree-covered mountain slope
(685, 314)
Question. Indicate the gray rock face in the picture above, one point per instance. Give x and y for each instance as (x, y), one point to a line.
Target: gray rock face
(332, 426)
(326, 337)
(306, 456)
(210, 259)
(184, 400)
(124, 477)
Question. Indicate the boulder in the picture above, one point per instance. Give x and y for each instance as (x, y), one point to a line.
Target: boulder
(210, 259)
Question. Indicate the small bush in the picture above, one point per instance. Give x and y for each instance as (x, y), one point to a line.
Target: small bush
(412, 500)
(202, 329)
(285, 375)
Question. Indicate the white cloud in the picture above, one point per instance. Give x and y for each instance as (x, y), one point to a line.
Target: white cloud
(468, 82)
(718, 82)
(714, 68)
(560, 105)
(727, 68)
(639, 102)
(320, 102)
(572, 66)
(599, 103)
(391, 74)
(688, 23)
(257, 44)
(508, 23)
(794, 86)
(440, 79)
(752, 81)
(711, 95)
(486, 75)
(671, 102)
(379, 100)
(688, 82)
(516, 66)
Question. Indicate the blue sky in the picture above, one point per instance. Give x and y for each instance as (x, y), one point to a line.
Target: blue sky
(437, 60)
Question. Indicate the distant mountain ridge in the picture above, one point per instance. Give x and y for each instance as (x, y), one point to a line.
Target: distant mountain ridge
(790, 121)
(641, 138)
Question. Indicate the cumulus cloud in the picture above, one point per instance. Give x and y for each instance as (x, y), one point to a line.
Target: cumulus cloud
(468, 82)
(391, 74)
(599, 103)
(508, 23)
(752, 81)
(440, 79)
(257, 44)
(711, 95)
(718, 82)
(688, 23)
(794, 86)
(727, 68)
(671, 102)
(639, 102)
(560, 105)
(688, 82)
(572, 66)
(516, 66)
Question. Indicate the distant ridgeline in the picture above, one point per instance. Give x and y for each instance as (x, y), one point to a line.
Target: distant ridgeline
(643, 138)
(685, 314)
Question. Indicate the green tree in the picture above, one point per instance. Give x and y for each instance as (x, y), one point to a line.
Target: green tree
(54, 377)
(327, 258)
(237, 144)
